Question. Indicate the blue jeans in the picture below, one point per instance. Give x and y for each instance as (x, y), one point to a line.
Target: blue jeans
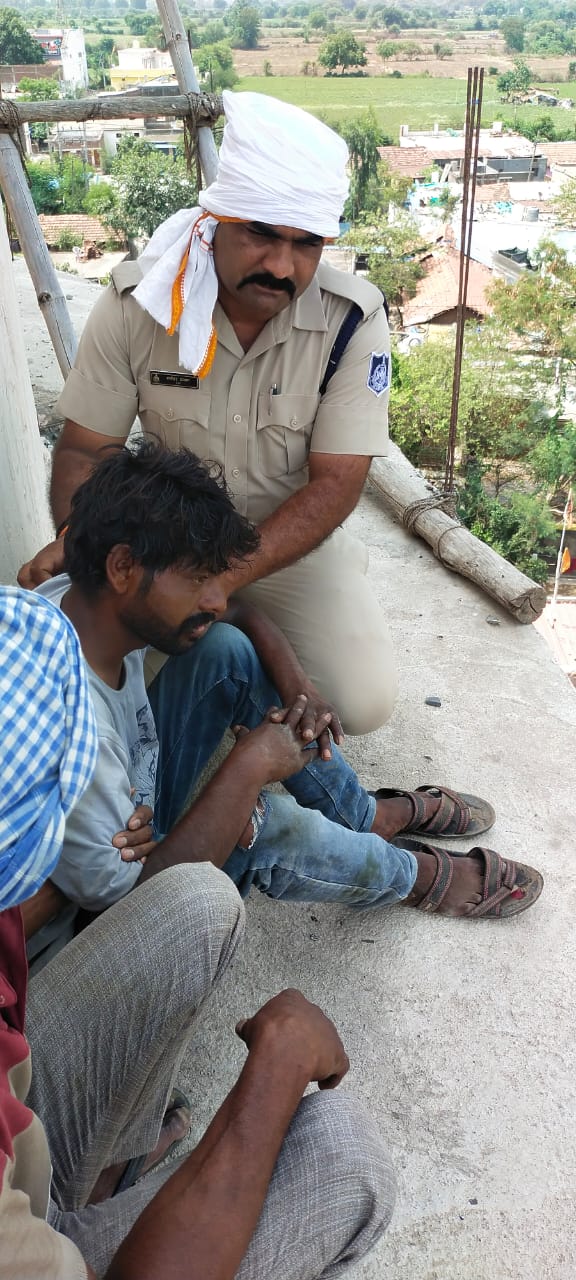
(312, 845)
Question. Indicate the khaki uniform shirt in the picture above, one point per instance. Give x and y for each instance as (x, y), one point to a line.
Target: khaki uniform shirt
(259, 413)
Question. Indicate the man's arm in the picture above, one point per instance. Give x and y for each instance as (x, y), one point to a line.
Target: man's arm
(216, 821)
(75, 454)
(42, 907)
(202, 1220)
(307, 517)
(286, 673)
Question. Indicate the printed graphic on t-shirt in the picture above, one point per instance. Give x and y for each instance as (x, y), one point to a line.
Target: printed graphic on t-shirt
(144, 757)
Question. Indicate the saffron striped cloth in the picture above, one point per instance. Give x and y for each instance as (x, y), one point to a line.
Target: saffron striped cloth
(48, 738)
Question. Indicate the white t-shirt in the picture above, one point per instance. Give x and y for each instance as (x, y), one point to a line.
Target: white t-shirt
(90, 871)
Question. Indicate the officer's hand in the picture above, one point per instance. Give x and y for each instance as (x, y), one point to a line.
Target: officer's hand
(275, 747)
(296, 1031)
(46, 564)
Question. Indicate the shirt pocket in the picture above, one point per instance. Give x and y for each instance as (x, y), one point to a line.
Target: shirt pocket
(284, 429)
(177, 415)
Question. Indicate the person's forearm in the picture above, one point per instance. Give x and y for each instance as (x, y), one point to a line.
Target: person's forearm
(42, 907)
(275, 652)
(213, 825)
(200, 1224)
(76, 453)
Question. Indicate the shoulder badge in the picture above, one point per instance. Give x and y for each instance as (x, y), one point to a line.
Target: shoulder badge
(378, 379)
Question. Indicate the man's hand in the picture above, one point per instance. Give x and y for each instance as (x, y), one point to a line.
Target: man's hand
(276, 744)
(320, 719)
(136, 841)
(46, 564)
(298, 1030)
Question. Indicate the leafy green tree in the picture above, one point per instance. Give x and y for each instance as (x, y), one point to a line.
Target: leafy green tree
(342, 50)
(393, 254)
(245, 23)
(516, 81)
(44, 186)
(539, 308)
(318, 20)
(31, 90)
(16, 43)
(149, 186)
(519, 526)
(363, 136)
(215, 64)
(513, 29)
(387, 49)
(100, 199)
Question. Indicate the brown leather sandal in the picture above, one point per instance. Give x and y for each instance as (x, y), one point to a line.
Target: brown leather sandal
(458, 814)
(508, 887)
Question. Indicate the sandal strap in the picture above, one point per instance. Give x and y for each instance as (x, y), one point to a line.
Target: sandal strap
(452, 812)
(441, 882)
(499, 881)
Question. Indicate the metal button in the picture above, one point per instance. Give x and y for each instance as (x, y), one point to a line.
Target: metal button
(237, 417)
(169, 413)
(293, 422)
(235, 473)
(2, 999)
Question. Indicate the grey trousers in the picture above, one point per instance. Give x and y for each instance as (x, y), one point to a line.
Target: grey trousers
(108, 1022)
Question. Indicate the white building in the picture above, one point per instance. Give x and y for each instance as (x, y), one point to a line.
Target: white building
(66, 47)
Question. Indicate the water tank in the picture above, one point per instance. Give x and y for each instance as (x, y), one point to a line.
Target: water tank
(531, 215)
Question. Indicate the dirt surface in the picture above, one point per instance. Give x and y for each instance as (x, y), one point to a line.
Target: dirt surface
(287, 54)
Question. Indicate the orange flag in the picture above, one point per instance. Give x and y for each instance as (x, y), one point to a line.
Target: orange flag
(566, 561)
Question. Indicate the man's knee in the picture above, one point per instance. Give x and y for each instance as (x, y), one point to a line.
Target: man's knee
(366, 707)
(347, 1145)
(194, 907)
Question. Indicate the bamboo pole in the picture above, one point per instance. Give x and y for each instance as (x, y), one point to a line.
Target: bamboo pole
(120, 107)
(51, 300)
(24, 517)
(177, 45)
(407, 495)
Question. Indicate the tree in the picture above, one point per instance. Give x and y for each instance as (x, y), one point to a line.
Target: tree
(16, 43)
(215, 65)
(149, 186)
(100, 200)
(513, 30)
(44, 89)
(363, 136)
(342, 50)
(245, 25)
(540, 307)
(516, 81)
(393, 254)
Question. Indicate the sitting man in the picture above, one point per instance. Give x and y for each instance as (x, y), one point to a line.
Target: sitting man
(151, 537)
(275, 1175)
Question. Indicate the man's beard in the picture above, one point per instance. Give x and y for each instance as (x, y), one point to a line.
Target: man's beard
(175, 642)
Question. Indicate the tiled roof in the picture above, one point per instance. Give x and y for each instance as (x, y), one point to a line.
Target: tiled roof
(78, 224)
(560, 152)
(410, 162)
(437, 292)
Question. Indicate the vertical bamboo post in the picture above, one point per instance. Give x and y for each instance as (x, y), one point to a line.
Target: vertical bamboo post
(24, 517)
(177, 45)
(51, 300)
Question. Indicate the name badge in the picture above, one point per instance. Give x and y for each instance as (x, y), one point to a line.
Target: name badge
(164, 378)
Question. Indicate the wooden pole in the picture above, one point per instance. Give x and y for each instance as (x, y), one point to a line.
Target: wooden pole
(25, 521)
(51, 300)
(122, 106)
(407, 495)
(177, 45)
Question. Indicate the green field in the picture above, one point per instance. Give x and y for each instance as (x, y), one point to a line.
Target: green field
(418, 101)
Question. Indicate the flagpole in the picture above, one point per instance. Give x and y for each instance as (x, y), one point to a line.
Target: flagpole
(567, 517)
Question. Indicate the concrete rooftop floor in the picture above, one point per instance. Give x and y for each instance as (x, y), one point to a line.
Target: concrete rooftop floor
(460, 1034)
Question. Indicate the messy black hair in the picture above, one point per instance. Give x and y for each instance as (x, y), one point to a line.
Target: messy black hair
(168, 507)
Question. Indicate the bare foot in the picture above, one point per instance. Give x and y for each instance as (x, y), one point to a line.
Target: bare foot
(395, 815)
(175, 1126)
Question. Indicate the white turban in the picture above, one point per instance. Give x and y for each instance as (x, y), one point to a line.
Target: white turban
(277, 164)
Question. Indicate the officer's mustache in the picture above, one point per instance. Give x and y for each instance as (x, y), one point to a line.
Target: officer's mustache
(271, 282)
